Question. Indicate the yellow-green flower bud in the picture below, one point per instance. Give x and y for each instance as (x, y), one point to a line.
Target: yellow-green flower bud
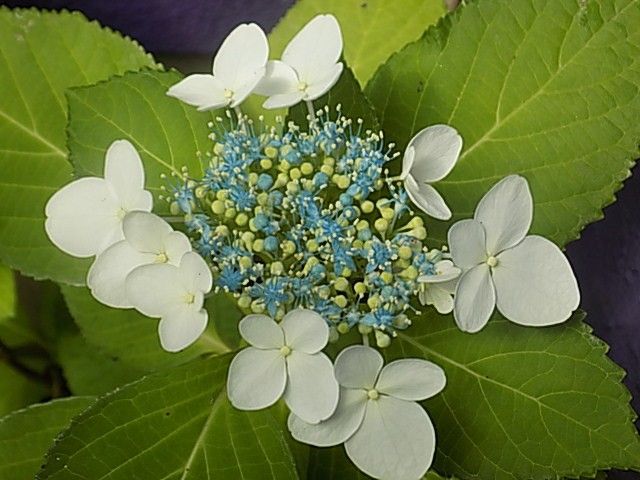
(222, 194)
(387, 277)
(271, 152)
(230, 213)
(295, 174)
(410, 273)
(340, 300)
(277, 268)
(343, 327)
(222, 230)
(327, 170)
(405, 252)
(217, 207)
(258, 245)
(306, 168)
(341, 284)
(174, 208)
(381, 225)
(244, 301)
(245, 262)
(312, 245)
(253, 178)
(387, 213)
(242, 219)
(373, 302)
(367, 206)
(382, 339)
(218, 149)
(364, 329)
(288, 247)
(257, 306)
(360, 288)
(266, 163)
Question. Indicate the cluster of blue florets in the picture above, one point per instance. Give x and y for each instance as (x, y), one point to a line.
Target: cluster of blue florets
(307, 219)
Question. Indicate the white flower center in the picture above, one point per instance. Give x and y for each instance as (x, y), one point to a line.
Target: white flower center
(373, 394)
(492, 261)
(121, 213)
(161, 258)
(189, 298)
(228, 94)
(302, 86)
(285, 351)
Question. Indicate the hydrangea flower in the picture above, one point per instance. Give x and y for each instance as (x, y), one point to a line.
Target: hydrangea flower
(284, 360)
(237, 68)
(526, 276)
(386, 434)
(175, 294)
(147, 239)
(309, 65)
(437, 287)
(430, 156)
(85, 216)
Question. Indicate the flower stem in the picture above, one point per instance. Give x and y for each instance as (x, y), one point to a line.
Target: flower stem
(365, 339)
(311, 110)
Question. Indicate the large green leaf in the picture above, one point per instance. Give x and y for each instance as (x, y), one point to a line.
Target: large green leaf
(42, 54)
(372, 29)
(88, 371)
(174, 425)
(546, 88)
(168, 133)
(130, 337)
(7, 293)
(18, 390)
(523, 402)
(26, 435)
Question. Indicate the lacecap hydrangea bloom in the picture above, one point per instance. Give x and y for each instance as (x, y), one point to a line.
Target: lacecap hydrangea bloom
(305, 226)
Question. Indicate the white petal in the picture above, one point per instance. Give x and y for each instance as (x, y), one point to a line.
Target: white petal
(358, 367)
(124, 171)
(506, 212)
(437, 149)
(154, 289)
(439, 297)
(195, 274)
(261, 332)
(146, 232)
(244, 51)
(279, 78)
(283, 100)
(396, 440)
(312, 390)
(427, 199)
(323, 84)
(411, 379)
(305, 330)
(466, 240)
(445, 272)
(315, 48)
(202, 91)
(82, 217)
(407, 161)
(181, 328)
(175, 245)
(535, 284)
(475, 299)
(257, 378)
(242, 91)
(339, 427)
(106, 277)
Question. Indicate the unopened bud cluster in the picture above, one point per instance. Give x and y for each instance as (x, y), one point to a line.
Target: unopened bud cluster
(307, 219)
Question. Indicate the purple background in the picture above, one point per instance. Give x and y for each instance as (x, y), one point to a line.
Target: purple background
(606, 259)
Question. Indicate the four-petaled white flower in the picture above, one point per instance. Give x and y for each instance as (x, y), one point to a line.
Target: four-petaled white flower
(526, 276)
(309, 65)
(147, 239)
(237, 68)
(438, 289)
(386, 434)
(430, 156)
(284, 360)
(85, 216)
(175, 294)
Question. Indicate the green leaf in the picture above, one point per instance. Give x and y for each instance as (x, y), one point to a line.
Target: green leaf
(174, 425)
(167, 133)
(42, 54)
(523, 402)
(18, 391)
(546, 88)
(346, 93)
(7, 293)
(128, 336)
(88, 371)
(372, 29)
(26, 435)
